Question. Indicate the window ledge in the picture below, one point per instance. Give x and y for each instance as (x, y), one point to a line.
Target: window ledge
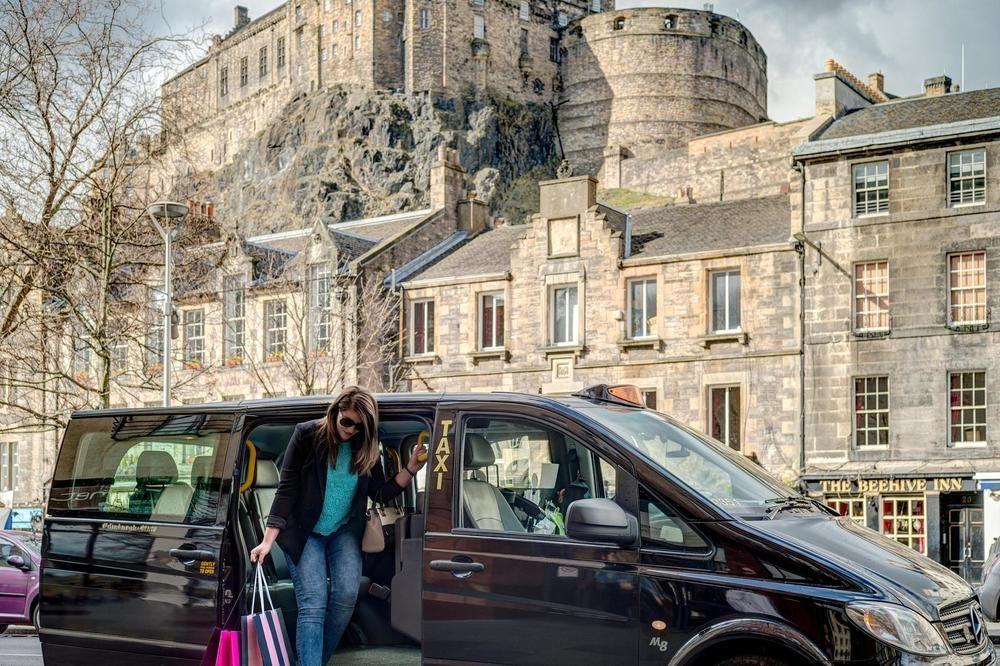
(422, 358)
(872, 334)
(639, 343)
(868, 216)
(724, 336)
(561, 349)
(968, 204)
(501, 353)
(969, 445)
(969, 326)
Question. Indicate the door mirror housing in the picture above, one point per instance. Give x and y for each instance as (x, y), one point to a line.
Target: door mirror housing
(18, 561)
(601, 520)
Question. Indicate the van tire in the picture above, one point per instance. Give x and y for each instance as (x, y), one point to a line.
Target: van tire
(36, 616)
(752, 660)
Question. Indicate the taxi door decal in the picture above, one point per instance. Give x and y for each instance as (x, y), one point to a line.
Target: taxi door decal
(441, 455)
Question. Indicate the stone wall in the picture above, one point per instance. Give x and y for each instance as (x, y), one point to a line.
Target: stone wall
(915, 236)
(651, 79)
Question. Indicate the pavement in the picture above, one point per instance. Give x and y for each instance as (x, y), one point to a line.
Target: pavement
(20, 650)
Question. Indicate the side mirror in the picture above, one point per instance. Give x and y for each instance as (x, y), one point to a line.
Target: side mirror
(17, 561)
(601, 520)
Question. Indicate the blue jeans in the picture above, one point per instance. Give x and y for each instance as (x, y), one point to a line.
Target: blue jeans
(325, 610)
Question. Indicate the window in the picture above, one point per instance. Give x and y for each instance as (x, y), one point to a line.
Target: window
(564, 315)
(357, 19)
(334, 27)
(119, 356)
(967, 288)
(154, 331)
(262, 62)
(595, 6)
(967, 398)
(966, 177)
(725, 301)
(194, 337)
(525, 11)
(871, 297)
(425, 19)
(223, 82)
(8, 550)
(244, 72)
(542, 471)
(554, 55)
(141, 468)
(8, 466)
(481, 3)
(524, 41)
(422, 325)
(281, 52)
(333, 51)
(275, 329)
(642, 308)
(386, 16)
(478, 26)
(903, 519)
(670, 23)
(850, 507)
(326, 5)
(619, 23)
(871, 411)
(319, 42)
(649, 397)
(320, 308)
(357, 41)
(81, 354)
(298, 10)
(871, 188)
(234, 304)
(724, 411)
(660, 527)
(491, 320)
(298, 39)
(562, 19)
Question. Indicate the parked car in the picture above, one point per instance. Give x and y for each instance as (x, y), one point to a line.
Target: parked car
(19, 580)
(989, 590)
(637, 540)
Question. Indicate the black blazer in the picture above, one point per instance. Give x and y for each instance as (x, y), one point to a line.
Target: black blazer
(299, 499)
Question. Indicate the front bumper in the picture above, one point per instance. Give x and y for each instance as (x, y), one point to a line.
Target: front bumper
(983, 657)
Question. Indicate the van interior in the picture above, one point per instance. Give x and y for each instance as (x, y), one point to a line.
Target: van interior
(385, 627)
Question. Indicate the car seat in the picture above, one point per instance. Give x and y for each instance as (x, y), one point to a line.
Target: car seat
(485, 506)
(154, 472)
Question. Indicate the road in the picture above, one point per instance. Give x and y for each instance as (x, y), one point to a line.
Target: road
(20, 651)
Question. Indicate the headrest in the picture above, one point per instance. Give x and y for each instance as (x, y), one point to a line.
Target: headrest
(157, 465)
(478, 452)
(267, 474)
(201, 470)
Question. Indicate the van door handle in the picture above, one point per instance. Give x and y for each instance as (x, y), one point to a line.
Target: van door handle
(458, 568)
(189, 554)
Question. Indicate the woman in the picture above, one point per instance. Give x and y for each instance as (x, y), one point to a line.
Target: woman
(330, 470)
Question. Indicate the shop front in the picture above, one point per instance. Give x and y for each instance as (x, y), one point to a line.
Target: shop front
(938, 516)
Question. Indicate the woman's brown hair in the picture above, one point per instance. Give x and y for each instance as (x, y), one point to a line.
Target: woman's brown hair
(364, 448)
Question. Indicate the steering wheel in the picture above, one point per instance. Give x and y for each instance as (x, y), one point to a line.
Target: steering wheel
(532, 510)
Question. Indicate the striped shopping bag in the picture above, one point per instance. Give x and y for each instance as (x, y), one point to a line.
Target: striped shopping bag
(263, 638)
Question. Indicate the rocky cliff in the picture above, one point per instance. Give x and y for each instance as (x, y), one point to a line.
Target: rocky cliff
(344, 153)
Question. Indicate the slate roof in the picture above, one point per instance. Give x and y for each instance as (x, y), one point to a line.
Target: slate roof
(912, 112)
(489, 252)
(712, 226)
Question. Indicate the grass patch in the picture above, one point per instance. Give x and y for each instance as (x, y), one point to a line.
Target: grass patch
(629, 199)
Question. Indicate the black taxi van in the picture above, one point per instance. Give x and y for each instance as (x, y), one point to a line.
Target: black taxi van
(543, 530)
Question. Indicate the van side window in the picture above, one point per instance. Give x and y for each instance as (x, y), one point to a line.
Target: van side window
(164, 468)
(521, 476)
(659, 526)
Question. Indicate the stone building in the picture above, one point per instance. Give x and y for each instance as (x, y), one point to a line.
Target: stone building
(900, 221)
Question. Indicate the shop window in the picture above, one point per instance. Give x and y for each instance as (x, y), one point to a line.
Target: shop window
(904, 519)
(850, 507)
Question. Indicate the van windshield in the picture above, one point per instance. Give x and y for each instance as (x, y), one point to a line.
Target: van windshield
(722, 476)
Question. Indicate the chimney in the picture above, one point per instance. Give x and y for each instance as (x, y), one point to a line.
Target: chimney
(876, 81)
(838, 91)
(241, 17)
(447, 180)
(937, 85)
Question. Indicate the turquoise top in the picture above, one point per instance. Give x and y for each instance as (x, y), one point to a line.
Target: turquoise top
(341, 485)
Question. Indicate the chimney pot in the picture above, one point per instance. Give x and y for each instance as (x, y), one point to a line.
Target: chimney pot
(241, 17)
(876, 81)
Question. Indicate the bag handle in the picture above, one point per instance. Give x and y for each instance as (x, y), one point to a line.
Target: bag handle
(261, 591)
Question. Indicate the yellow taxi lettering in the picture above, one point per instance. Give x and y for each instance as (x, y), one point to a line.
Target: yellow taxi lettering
(441, 454)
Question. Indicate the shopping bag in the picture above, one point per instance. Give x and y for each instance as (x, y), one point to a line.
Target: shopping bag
(229, 649)
(264, 639)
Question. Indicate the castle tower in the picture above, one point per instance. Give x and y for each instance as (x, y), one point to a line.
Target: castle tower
(639, 81)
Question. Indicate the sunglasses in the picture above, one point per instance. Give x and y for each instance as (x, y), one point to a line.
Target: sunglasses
(349, 423)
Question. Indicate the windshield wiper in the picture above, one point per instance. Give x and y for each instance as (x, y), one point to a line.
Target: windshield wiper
(778, 504)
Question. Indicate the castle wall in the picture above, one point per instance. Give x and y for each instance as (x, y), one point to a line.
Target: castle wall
(651, 79)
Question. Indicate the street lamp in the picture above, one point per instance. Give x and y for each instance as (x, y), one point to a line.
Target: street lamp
(166, 217)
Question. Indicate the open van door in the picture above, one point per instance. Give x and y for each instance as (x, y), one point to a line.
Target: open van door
(133, 534)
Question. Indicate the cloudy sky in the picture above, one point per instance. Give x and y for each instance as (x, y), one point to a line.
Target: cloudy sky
(908, 40)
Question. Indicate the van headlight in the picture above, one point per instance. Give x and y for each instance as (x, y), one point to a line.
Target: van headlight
(898, 626)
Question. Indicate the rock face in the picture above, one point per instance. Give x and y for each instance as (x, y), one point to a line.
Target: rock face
(346, 153)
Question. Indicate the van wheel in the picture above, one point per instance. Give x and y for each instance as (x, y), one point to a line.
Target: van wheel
(36, 617)
(752, 660)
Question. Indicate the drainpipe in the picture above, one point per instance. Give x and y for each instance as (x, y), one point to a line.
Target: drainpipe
(800, 247)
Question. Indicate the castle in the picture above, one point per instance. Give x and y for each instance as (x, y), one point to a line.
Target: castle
(623, 84)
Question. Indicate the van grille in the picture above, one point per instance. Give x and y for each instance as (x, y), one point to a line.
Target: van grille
(964, 625)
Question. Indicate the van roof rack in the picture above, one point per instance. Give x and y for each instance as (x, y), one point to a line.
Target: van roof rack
(620, 394)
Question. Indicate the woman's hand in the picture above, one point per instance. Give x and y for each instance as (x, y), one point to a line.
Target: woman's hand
(260, 552)
(417, 459)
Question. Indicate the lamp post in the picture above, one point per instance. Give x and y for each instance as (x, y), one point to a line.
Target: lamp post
(166, 217)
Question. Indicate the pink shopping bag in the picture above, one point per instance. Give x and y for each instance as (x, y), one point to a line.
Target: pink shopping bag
(264, 640)
(229, 649)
